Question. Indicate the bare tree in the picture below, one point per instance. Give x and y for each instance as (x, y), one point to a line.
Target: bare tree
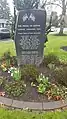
(62, 4)
(4, 10)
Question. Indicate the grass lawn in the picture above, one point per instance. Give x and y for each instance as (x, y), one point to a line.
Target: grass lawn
(53, 46)
(7, 46)
(7, 114)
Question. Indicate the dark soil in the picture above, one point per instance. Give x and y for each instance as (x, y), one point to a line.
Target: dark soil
(31, 93)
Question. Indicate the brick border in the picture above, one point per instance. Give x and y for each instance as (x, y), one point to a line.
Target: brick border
(33, 105)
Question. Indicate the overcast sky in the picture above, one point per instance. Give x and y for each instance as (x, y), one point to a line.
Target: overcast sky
(12, 10)
(11, 5)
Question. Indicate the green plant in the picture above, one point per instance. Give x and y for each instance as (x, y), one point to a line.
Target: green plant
(51, 66)
(57, 92)
(42, 79)
(41, 88)
(60, 74)
(43, 83)
(32, 84)
(6, 55)
(15, 89)
(1, 81)
(15, 73)
(51, 59)
(8, 60)
(13, 61)
(29, 72)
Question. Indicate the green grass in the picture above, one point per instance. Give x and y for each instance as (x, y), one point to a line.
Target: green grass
(53, 46)
(7, 114)
(7, 46)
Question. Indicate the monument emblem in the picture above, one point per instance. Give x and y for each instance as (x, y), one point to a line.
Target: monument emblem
(30, 17)
(30, 36)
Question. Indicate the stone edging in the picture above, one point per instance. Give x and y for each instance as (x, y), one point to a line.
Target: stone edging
(33, 105)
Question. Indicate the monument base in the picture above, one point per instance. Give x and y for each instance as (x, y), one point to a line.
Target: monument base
(29, 59)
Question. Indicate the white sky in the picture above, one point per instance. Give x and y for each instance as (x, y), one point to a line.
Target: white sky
(11, 6)
(53, 9)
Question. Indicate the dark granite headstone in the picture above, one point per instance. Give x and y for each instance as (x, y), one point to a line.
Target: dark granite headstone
(30, 36)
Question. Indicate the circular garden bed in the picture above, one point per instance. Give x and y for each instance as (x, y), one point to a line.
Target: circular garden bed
(48, 82)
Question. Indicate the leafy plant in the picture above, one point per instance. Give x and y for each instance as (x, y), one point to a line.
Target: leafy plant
(42, 79)
(8, 61)
(15, 89)
(29, 72)
(41, 88)
(6, 55)
(15, 73)
(43, 83)
(60, 74)
(57, 92)
(1, 81)
(51, 59)
(3, 67)
(13, 61)
(32, 84)
(51, 66)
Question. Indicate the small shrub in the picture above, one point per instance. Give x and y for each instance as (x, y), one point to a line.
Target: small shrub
(51, 58)
(15, 89)
(1, 81)
(29, 72)
(13, 61)
(6, 55)
(51, 66)
(7, 60)
(60, 75)
(57, 92)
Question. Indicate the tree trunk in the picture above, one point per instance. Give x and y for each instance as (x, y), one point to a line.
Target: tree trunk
(62, 17)
(61, 29)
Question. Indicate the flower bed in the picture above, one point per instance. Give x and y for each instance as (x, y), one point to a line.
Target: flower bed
(30, 83)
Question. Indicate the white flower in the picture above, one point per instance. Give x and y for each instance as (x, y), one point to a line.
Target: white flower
(40, 79)
(65, 92)
(11, 68)
(8, 72)
(11, 74)
(41, 74)
(24, 85)
(15, 68)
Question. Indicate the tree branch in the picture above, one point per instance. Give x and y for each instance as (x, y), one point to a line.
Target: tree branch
(52, 4)
(44, 4)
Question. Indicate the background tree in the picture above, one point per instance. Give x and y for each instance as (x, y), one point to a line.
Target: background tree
(26, 4)
(54, 21)
(4, 10)
(62, 4)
